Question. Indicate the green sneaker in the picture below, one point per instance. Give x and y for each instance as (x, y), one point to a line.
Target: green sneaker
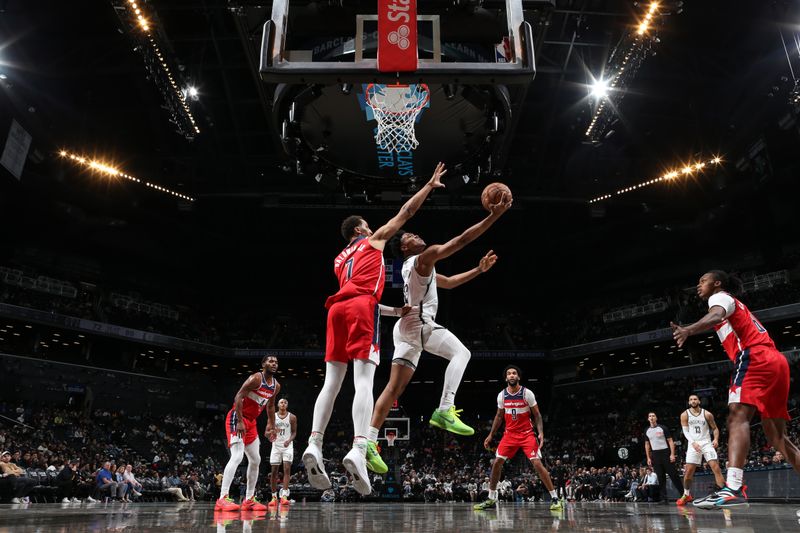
(450, 421)
(555, 505)
(374, 460)
(486, 504)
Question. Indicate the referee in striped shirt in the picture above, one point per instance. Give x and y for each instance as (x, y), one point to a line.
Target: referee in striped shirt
(660, 450)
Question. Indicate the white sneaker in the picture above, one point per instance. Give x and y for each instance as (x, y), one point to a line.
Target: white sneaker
(75, 500)
(137, 494)
(26, 500)
(356, 464)
(16, 500)
(315, 469)
(65, 500)
(90, 500)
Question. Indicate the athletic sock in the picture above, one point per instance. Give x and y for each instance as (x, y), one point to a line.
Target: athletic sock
(554, 494)
(360, 444)
(687, 492)
(372, 434)
(735, 477)
(493, 494)
(315, 438)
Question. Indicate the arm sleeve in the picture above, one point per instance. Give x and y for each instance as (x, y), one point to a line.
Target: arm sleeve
(530, 398)
(687, 434)
(388, 310)
(723, 300)
(500, 404)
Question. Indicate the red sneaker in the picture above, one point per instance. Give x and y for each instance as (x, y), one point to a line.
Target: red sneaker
(253, 505)
(683, 500)
(273, 503)
(285, 501)
(226, 504)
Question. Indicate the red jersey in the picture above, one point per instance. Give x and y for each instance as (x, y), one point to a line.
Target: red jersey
(740, 330)
(360, 271)
(256, 400)
(519, 422)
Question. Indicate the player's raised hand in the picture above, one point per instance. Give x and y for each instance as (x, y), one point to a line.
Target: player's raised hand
(435, 181)
(679, 333)
(487, 261)
(502, 206)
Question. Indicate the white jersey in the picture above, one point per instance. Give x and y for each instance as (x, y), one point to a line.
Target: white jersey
(419, 291)
(283, 429)
(698, 427)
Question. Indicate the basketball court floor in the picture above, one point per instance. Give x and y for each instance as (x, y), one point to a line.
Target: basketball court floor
(398, 517)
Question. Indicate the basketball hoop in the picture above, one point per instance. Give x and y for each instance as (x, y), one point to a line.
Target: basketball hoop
(390, 438)
(396, 108)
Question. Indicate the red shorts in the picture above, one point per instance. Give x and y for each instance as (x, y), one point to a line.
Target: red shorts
(250, 431)
(761, 378)
(353, 330)
(510, 445)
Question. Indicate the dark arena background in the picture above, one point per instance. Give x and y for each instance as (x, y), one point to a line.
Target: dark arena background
(173, 179)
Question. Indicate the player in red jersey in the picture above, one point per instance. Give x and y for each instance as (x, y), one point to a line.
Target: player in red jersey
(353, 334)
(516, 405)
(760, 381)
(256, 394)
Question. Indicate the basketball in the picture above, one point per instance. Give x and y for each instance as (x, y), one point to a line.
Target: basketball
(493, 193)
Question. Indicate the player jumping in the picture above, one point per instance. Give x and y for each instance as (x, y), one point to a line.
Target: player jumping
(256, 394)
(418, 331)
(760, 381)
(516, 405)
(353, 334)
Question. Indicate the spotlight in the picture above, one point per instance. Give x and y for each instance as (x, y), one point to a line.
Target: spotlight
(717, 160)
(192, 92)
(600, 89)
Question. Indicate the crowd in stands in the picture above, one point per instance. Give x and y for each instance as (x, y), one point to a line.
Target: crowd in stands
(506, 330)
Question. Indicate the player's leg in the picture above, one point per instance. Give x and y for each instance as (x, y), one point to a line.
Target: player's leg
(274, 464)
(775, 430)
(404, 363)
(335, 372)
(534, 454)
(677, 482)
(355, 461)
(739, 416)
(688, 477)
(719, 479)
(440, 341)
(287, 475)
(497, 469)
(225, 503)
(253, 453)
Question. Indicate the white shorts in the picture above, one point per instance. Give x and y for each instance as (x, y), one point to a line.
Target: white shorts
(280, 455)
(706, 450)
(411, 337)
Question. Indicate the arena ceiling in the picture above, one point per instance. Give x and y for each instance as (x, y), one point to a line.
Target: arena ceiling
(717, 84)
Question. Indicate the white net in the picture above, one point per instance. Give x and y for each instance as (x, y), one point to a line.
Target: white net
(396, 108)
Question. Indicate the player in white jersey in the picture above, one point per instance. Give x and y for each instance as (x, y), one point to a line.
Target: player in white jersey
(282, 452)
(418, 331)
(698, 424)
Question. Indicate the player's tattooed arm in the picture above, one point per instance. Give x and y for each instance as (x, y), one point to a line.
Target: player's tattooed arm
(409, 209)
(714, 316)
(252, 383)
(539, 424)
(269, 432)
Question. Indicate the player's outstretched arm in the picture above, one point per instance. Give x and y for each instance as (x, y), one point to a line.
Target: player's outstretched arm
(451, 282)
(409, 209)
(714, 316)
(437, 252)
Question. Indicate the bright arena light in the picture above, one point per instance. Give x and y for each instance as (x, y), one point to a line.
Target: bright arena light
(109, 170)
(668, 176)
(600, 89)
(192, 90)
